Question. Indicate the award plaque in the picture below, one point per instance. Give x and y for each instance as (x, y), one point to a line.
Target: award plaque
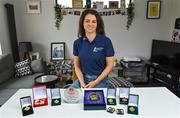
(123, 95)
(94, 100)
(40, 96)
(133, 104)
(71, 95)
(111, 96)
(26, 105)
(55, 96)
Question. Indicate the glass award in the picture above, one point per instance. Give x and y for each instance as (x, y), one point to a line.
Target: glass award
(133, 104)
(26, 105)
(55, 96)
(71, 95)
(111, 96)
(39, 96)
(123, 95)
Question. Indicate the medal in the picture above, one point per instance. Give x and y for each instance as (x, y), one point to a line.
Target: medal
(132, 109)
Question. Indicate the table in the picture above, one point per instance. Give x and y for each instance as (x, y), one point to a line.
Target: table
(49, 80)
(154, 102)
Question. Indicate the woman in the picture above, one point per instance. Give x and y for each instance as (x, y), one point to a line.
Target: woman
(93, 52)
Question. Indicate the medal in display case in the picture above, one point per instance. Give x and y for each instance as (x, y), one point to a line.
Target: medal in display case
(111, 96)
(94, 100)
(26, 105)
(124, 95)
(55, 96)
(133, 104)
(40, 97)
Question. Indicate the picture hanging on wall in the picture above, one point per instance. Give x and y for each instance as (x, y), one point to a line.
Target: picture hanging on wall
(153, 9)
(57, 51)
(113, 4)
(33, 6)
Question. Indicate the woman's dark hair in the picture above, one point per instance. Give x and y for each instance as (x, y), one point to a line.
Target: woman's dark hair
(100, 23)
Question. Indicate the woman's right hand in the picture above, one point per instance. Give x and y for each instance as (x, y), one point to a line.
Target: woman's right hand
(83, 85)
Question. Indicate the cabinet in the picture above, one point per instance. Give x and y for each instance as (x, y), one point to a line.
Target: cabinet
(165, 74)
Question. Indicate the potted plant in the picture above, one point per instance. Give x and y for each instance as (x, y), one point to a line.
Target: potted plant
(130, 14)
(58, 15)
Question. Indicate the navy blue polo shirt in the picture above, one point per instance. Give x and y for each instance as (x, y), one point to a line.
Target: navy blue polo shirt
(93, 54)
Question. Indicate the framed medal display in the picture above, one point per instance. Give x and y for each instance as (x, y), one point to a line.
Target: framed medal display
(55, 96)
(123, 95)
(111, 96)
(39, 96)
(133, 104)
(26, 105)
(94, 100)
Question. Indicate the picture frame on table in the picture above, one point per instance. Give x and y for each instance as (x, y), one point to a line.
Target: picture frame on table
(57, 51)
(33, 6)
(153, 9)
(34, 56)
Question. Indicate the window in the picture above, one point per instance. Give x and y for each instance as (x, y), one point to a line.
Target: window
(0, 49)
(68, 3)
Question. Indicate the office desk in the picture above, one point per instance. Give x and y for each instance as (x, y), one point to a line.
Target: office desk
(155, 102)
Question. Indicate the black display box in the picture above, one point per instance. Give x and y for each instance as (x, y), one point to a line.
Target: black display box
(94, 100)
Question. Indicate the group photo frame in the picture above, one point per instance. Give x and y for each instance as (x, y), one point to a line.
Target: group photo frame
(33, 6)
(153, 9)
(57, 51)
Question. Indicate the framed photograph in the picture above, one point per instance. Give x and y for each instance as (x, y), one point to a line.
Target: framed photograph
(33, 6)
(34, 56)
(113, 4)
(77, 4)
(153, 9)
(57, 51)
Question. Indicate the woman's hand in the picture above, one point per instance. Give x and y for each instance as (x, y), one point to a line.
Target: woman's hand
(83, 85)
(91, 84)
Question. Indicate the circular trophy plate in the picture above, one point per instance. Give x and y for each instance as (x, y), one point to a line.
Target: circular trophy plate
(71, 95)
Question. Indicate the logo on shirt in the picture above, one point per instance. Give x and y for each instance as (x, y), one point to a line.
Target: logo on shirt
(97, 49)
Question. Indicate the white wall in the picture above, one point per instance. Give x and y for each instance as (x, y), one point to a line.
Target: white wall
(41, 31)
(4, 37)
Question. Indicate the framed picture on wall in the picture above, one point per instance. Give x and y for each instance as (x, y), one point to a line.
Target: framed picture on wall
(33, 6)
(113, 4)
(57, 51)
(77, 4)
(153, 9)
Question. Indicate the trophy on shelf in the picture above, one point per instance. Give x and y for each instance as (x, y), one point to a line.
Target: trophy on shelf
(71, 95)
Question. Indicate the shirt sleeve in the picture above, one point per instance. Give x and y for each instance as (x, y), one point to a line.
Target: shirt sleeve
(109, 50)
(75, 48)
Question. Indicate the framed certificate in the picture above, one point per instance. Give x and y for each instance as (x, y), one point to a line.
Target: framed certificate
(26, 105)
(133, 104)
(39, 96)
(111, 96)
(55, 96)
(123, 95)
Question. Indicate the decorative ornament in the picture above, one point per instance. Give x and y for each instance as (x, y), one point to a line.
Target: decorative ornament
(58, 15)
(130, 14)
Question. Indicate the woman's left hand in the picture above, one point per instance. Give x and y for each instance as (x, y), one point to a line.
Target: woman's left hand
(91, 84)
